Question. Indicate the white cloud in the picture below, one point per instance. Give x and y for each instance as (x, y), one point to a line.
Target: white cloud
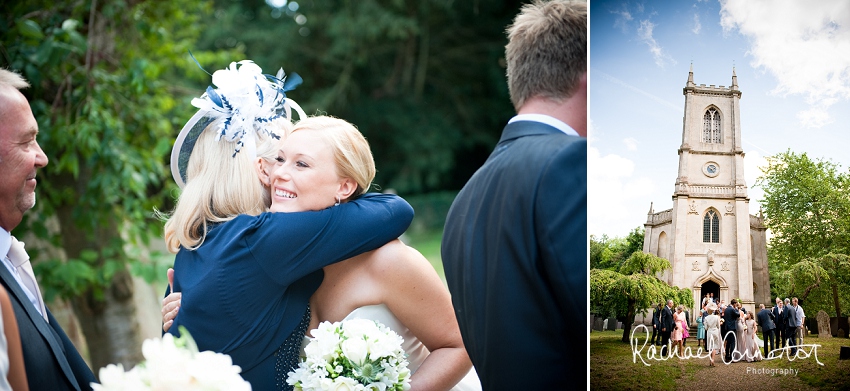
(613, 194)
(697, 25)
(631, 143)
(645, 35)
(753, 163)
(805, 45)
(622, 19)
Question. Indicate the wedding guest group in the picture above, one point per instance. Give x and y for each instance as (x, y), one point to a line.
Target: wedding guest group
(50, 360)
(514, 246)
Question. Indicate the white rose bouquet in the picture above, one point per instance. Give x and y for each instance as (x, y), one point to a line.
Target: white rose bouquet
(174, 364)
(355, 354)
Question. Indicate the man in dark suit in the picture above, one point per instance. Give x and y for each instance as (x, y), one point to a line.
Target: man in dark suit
(730, 319)
(790, 326)
(515, 241)
(50, 359)
(765, 319)
(779, 321)
(656, 325)
(667, 325)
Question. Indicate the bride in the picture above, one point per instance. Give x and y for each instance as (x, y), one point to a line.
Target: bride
(325, 161)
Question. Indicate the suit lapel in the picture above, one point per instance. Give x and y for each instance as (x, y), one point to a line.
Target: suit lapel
(38, 321)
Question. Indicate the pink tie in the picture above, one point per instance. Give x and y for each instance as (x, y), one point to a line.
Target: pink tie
(22, 264)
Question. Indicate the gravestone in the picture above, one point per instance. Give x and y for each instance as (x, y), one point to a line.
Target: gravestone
(844, 353)
(605, 324)
(619, 325)
(592, 319)
(597, 324)
(612, 324)
(823, 325)
(841, 333)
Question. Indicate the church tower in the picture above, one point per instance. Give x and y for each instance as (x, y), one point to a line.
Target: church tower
(712, 242)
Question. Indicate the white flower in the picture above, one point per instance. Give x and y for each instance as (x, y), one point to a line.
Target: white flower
(356, 355)
(174, 364)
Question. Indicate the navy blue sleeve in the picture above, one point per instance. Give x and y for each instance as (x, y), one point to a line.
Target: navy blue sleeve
(561, 224)
(289, 246)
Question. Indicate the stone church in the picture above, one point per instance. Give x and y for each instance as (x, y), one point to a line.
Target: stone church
(711, 240)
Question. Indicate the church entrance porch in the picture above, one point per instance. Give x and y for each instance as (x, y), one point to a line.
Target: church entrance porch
(711, 287)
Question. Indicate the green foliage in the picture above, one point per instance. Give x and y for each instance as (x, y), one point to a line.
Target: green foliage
(109, 93)
(424, 81)
(607, 253)
(635, 286)
(807, 209)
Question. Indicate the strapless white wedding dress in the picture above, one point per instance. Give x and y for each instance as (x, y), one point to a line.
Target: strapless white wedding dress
(415, 349)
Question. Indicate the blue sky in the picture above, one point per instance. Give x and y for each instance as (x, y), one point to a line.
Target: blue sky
(792, 59)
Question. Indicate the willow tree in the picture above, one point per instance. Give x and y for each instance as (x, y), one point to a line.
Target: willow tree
(634, 287)
(807, 209)
(109, 96)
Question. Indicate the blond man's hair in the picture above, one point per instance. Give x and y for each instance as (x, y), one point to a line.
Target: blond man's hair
(351, 151)
(546, 53)
(12, 79)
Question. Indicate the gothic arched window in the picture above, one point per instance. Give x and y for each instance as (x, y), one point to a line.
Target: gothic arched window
(711, 126)
(711, 227)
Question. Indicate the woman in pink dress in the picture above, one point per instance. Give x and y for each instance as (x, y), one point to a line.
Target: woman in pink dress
(753, 352)
(677, 335)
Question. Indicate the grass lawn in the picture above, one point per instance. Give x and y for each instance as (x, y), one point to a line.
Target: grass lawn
(612, 368)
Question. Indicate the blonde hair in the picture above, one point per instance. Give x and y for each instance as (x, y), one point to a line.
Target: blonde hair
(351, 151)
(219, 187)
(546, 53)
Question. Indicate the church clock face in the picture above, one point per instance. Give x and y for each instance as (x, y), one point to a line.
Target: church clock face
(711, 169)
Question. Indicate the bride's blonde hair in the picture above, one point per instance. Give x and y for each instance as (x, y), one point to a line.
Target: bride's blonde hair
(352, 154)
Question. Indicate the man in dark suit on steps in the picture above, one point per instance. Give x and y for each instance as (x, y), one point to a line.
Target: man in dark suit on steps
(730, 319)
(50, 359)
(667, 325)
(779, 321)
(515, 241)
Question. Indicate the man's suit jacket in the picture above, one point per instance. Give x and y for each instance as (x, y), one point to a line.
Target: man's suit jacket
(515, 256)
(778, 317)
(730, 318)
(667, 319)
(51, 360)
(790, 317)
(765, 321)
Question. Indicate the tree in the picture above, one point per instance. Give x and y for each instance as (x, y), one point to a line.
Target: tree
(606, 253)
(634, 287)
(807, 209)
(108, 91)
(424, 81)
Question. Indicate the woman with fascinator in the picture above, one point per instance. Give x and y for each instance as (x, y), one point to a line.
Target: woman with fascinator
(714, 342)
(324, 163)
(246, 275)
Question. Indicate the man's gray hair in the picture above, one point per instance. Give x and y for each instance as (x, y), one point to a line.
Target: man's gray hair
(12, 79)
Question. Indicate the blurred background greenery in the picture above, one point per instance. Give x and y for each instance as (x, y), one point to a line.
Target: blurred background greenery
(111, 84)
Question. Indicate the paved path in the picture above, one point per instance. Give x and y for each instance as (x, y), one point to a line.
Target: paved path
(749, 376)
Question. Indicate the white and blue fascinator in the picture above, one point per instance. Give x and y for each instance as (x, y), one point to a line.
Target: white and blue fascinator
(242, 105)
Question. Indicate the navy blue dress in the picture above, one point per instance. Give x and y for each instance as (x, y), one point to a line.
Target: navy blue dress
(246, 289)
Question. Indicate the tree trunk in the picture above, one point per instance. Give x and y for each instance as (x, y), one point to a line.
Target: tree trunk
(630, 318)
(107, 316)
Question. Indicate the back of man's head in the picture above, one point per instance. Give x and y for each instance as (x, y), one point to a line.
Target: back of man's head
(547, 50)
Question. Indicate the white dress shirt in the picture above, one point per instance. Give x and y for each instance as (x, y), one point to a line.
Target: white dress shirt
(548, 120)
(5, 245)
